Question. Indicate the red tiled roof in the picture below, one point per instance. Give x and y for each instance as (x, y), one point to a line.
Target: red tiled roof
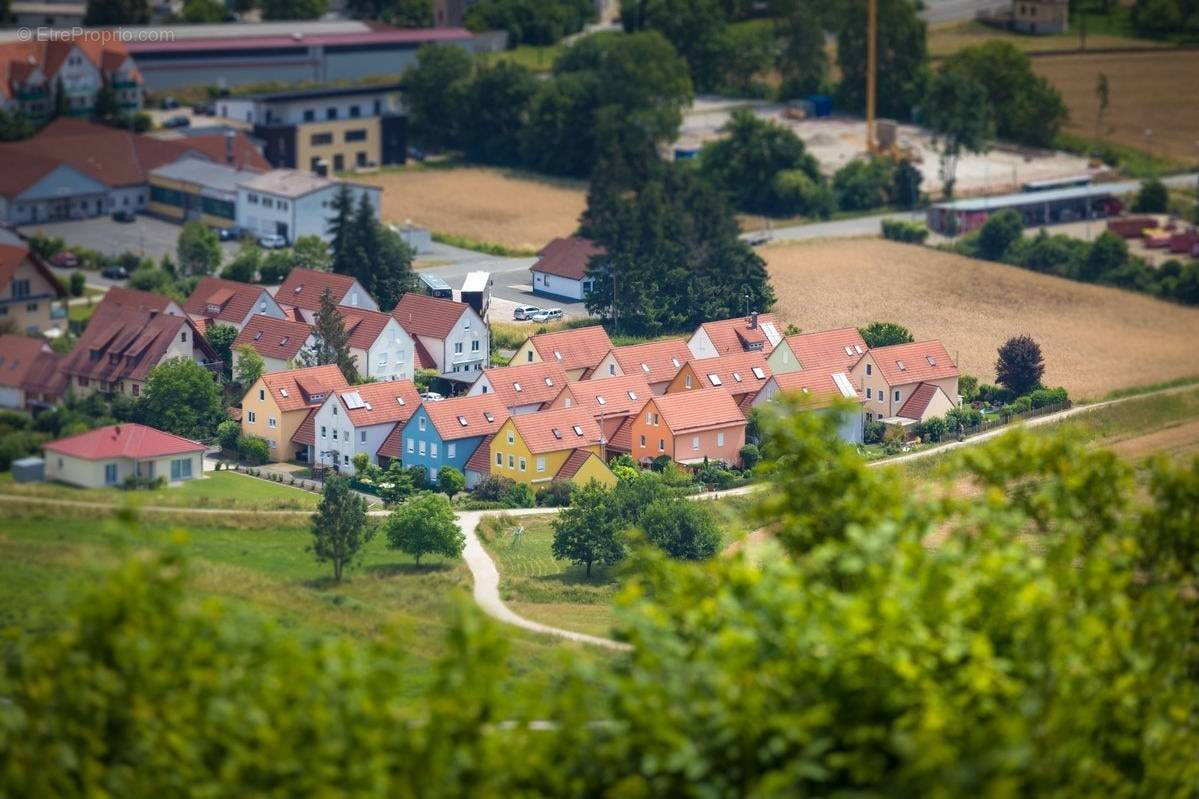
(303, 288)
(537, 430)
(736, 335)
(818, 384)
(281, 339)
(572, 465)
(214, 146)
(19, 355)
(123, 441)
(303, 388)
(124, 343)
(432, 317)
(447, 416)
(657, 362)
(921, 361)
(701, 409)
(918, 401)
(13, 255)
(538, 383)
(578, 348)
(480, 459)
(17, 59)
(828, 347)
(622, 439)
(384, 402)
(567, 257)
(306, 430)
(612, 396)
(221, 299)
(135, 298)
(735, 372)
(422, 357)
(364, 327)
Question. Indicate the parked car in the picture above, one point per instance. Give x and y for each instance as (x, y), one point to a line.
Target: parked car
(272, 242)
(177, 121)
(115, 273)
(124, 217)
(431, 396)
(64, 259)
(523, 312)
(547, 315)
(202, 109)
(169, 103)
(228, 233)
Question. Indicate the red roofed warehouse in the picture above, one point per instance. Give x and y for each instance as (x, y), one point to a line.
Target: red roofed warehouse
(107, 456)
(561, 269)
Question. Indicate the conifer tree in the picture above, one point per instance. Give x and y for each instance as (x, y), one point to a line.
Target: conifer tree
(331, 341)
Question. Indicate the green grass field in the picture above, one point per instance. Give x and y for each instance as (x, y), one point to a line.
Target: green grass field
(228, 490)
(47, 554)
(537, 59)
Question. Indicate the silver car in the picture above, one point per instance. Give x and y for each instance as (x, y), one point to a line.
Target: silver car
(523, 312)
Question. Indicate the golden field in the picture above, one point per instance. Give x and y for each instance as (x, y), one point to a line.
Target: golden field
(1095, 339)
(487, 205)
(1154, 91)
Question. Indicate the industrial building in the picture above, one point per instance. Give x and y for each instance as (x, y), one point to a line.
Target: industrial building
(192, 189)
(1050, 207)
(288, 203)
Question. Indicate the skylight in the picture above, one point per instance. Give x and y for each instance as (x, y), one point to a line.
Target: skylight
(283, 392)
(578, 430)
(857, 348)
(298, 289)
(488, 416)
(599, 399)
(283, 341)
(759, 373)
(557, 433)
(549, 381)
(401, 400)
(557, 355)
(645, 368)
(632, 395)
(902, 368)
(714, 380)
(258, 335)
(931, 360)
(848, 350)
(737, 376)
(675, 362)
(462, 421)
(516, 387)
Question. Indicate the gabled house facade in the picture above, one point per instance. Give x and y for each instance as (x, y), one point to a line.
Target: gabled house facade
(560, 272)
(658, 362)
(445, 433)
(143, 300)
(612, 402)
(30, 374)
(818, 390)
(279, 407)
(449, 336)
(358, 419)
(578, 350)
(280, 342)
(217, 301)
(28, 289)
(741, 375)
(545, 447)
(689, 427)
(839, 349)
(522, 389)
(753, 333)
(32, 72)
(381, 348)
(300, 293)
(912, 382)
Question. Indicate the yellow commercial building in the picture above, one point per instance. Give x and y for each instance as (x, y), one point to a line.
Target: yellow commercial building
(193, 189)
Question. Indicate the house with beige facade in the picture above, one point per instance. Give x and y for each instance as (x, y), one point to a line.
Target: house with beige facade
(278, 408)
(578, 351)
(107, 456)
(906, 383)
(657, 362)
(28, 289)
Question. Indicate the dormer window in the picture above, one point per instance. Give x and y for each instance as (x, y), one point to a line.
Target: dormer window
(213, 308)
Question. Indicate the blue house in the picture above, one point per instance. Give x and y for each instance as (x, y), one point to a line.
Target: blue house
(445, 432)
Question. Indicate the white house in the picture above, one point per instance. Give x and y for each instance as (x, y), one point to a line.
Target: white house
(382, 349)
(561, 269)
(107, 456)
(359, 419)
(449, 336)
(291, 203)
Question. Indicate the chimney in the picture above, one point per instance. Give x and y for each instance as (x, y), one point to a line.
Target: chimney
(753, 320)
(229, 137)
(116, 431)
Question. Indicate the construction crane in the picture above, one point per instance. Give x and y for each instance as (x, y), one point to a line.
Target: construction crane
(871, 68)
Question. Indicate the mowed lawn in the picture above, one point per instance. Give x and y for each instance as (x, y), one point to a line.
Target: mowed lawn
(1095, 339)
(227, 490)
(47, 555)
(493, 206)
(1147, 91)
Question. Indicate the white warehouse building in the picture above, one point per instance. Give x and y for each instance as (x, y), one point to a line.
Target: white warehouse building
(291, 203)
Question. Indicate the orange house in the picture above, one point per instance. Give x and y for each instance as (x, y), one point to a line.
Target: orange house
(689, 426)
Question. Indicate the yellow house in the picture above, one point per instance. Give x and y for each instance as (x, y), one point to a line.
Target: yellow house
(540, 448)
(578, 350)
(28, 288)
(279, 407)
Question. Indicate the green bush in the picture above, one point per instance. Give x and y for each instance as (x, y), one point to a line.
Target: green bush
(520, 495)
(228, 435)
(1152, 198)
(750, 456)
(994, 395)
(1047, 396)
(254, 451)
(910, 232)
(863, 183)
(139, 482)
(872, 432)
(555, 495)
(78, 283)
(492, 488)
(932, 430)
(20, 444)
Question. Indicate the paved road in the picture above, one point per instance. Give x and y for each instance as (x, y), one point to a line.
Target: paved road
(148, 236)
(510, 276)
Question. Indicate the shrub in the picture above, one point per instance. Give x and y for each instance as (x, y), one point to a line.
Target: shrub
(78, 283)
(555, 495)
(660, 463)
(420, 477)
(933, 430)
(885, 334)
(862, 183)
(520, 495)
(750, 456)
(253, 450)
(964, 416)
(228, 435)
(140, 482)
(909, 232)
(682, 529)
(1153, 198)
(968, 388)
(1041, 397)
(450, 481)
(872, 432)
(19, 444)
(492, 488)
(999, 232)
(893, 440)
(994, 395)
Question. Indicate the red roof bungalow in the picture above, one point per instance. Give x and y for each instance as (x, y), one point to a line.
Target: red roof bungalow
(689, 426)
(560, 272)
(107, 456)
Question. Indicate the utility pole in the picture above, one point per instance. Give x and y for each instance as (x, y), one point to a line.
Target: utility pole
(871, 67)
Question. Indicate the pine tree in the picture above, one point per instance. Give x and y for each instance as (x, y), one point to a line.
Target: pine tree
(341, 231)
(365, 234)
(331, 341)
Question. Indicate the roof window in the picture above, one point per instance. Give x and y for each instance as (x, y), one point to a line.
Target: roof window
(578, 430)
(557, 433)
(462, 421)
(714, 379)
(931, 360)
(600, 400)
(517, 387)
(759, 373)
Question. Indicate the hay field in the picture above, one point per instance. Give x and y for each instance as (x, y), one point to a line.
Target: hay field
(1095, 339)
(487, 205)
(1146, 90)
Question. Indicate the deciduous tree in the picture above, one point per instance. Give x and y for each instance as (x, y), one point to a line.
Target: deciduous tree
(250, 367)
(425, 525)
(961, 120)
(585, 532)
(198, 250)
(181, 397)
(1020, 365)
(340, 528)
(221, 337)
(885, 334)
(682, 529)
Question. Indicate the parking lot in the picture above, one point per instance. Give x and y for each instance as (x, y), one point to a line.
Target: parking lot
(148, 236)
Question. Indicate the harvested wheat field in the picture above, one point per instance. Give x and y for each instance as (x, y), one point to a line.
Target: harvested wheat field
(487, 205)
(1095, 339)
(1154, 91)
